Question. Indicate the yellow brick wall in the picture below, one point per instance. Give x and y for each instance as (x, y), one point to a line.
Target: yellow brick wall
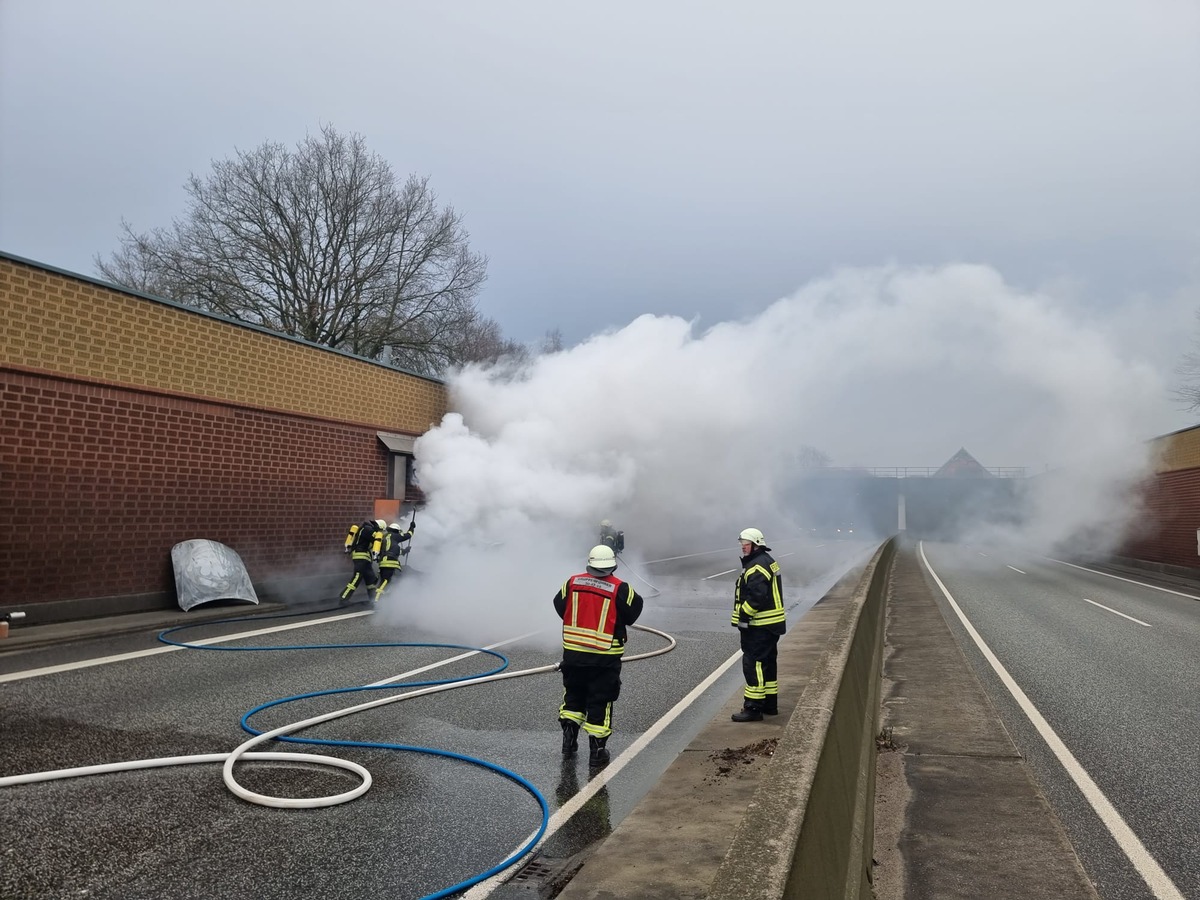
(72, 326)
(1180, 450)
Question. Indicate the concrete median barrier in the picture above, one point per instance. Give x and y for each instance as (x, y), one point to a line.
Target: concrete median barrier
(808, 830)
(770, 809)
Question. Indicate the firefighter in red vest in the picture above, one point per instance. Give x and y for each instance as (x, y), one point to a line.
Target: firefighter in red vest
(596, 608)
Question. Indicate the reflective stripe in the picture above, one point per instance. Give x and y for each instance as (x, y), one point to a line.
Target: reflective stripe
(590, 626)
(604, 729)
(756, 691)
(771, 616)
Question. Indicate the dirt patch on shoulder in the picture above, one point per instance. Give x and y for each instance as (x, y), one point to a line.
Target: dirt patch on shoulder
(730, 758)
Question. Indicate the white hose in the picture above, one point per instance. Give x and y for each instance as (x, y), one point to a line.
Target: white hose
(241, 752)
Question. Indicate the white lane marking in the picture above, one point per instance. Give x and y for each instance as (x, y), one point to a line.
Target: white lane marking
(651, 562)
(170, 648)
(727, 571)
(718, 575)
(1152, 873)
(1114, 612)
(572, 806)
(732, 549)
(1015, 569)
(1153, 587)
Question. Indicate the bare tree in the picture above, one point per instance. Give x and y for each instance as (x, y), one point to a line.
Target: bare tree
(805, 456)
(319, 243)
(483, 343)
(552, 342)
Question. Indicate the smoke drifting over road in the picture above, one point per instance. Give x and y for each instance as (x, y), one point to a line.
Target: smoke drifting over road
(683, 436)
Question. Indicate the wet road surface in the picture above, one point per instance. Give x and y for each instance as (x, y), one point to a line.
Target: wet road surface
(429, 821)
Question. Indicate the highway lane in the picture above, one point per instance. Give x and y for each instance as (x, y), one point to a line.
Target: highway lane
(428, 821)
(1112, 665)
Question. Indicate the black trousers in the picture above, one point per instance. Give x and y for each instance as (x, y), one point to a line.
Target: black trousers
(364, 571)
(386, 575)
(588, 696)
(760, 655)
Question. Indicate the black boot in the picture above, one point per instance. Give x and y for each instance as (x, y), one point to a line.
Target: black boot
(748, 714)
(570, 737)
(771, 705)
(599, 753)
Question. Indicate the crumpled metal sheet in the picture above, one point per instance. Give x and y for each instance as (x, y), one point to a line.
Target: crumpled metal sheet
(207, 571)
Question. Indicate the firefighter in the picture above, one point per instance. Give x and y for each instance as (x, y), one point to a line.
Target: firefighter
(393, 553)
(596, 608)
(363, 542)
(611, 537)
(760, 618)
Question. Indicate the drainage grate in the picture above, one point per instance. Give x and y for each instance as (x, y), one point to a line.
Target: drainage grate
(535, 870)
(542, 877)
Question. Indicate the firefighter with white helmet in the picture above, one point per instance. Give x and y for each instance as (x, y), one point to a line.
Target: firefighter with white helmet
(363, 543)
(393, 553)
(597, 608)
(761, 620)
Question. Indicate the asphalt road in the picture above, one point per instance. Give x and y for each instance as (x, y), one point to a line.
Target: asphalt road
(428, 822)
(1113, 667)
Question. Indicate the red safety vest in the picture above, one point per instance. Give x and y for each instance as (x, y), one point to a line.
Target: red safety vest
(590, 617)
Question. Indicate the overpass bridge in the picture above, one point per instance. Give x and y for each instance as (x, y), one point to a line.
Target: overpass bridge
(935, 503)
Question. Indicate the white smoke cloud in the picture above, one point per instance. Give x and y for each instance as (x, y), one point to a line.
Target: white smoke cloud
(683, 436)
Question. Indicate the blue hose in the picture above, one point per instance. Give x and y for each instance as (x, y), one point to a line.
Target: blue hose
(510, 775)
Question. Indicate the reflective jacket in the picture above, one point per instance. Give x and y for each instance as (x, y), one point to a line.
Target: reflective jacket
(596, 609)
(392, 555)
(610, 537)
(758, 596)
(364, 541)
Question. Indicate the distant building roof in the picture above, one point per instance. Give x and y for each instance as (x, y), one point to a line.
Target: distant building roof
(962, 465)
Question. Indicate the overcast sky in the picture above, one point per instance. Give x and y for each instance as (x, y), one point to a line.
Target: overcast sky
(696, 160)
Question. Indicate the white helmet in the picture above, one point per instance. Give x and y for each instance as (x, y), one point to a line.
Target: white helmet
(604, 523)
(382, 524)
(754, 536)
(602, 557)
(396, 526)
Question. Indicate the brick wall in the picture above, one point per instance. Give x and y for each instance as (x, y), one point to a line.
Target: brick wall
(1166, 531)
(1172, 515)
(67, 325)
(131, 424)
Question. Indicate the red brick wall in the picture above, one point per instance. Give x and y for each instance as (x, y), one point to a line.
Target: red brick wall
(129, 423)
(1168, 526)
(97, 483)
